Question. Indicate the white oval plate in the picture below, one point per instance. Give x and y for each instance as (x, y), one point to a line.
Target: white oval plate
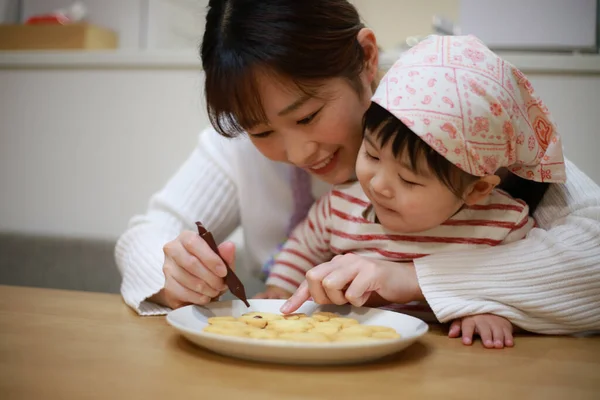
(190, 321)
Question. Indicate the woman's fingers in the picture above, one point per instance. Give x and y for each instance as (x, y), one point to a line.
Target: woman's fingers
(176, 295)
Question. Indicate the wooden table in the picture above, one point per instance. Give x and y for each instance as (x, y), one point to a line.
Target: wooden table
(73, 345)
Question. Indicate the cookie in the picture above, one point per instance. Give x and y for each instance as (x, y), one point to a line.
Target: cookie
(295, 316)
(377, 328)
(253, 320)
(356, 330)
(263, 334)
(214, 320)
(263, 315)
(220, 330)
(230, 324)
(327, 328)
(344, 321)
(320, 327)
(311, 321)
(287, 325)
(323, 316)
(352, 338)
(311, 337)
(385, 335)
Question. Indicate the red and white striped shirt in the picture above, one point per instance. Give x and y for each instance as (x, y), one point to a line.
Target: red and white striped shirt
(342, 222)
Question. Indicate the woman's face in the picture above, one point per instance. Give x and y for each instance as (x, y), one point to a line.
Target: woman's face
(321, 134)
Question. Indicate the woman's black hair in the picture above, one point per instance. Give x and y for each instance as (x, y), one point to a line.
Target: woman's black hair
(305, 41)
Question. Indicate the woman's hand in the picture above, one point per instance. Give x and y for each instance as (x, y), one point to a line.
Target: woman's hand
(273, 292)
(354, 279)
(193, 272)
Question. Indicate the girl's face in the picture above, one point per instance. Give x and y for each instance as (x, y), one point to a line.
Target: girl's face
(405, 201)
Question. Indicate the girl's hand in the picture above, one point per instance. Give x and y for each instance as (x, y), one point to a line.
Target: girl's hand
(494, 331)
(193, 272)
(354, 279)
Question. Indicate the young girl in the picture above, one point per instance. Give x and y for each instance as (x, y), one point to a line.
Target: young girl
(446, 117)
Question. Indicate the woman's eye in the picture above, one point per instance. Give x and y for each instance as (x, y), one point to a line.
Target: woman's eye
(308, 120)
(261, 135)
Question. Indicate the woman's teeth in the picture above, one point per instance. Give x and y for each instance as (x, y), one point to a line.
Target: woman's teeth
(322, 164)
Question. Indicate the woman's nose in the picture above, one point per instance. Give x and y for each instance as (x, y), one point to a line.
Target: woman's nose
(301, 151)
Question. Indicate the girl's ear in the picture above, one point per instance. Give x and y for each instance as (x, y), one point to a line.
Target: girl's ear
(480, 189)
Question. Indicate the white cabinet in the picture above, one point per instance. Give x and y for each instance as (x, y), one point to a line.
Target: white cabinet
(174, 24)
(531, 24)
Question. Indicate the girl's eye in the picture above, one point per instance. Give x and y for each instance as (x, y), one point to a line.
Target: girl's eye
(371, 157)
(308, 120)
(409, 183)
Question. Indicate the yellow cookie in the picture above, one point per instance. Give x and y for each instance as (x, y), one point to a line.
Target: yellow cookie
(263, 315)
(263, 334)
(345, 321)
(352, 338)
(328, 328)
(386, 335)
(253, 320)
(311, 321)
(377, 328)
(295, 316)
(220, 330)
(286, 325)
(313, 337)
(323, 316)
(230, 324)
(357, 330)
(214, 320)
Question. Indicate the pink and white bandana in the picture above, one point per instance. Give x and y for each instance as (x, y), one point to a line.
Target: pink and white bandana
(472, 107)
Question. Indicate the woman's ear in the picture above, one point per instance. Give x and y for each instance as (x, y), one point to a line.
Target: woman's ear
(366, 38)
(481, 189)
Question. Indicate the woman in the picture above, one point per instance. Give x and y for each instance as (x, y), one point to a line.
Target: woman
(297, 77)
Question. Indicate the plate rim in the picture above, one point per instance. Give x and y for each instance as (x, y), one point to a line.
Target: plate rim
(290, 344)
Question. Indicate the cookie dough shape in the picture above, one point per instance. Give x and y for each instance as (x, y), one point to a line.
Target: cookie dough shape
(320, 327)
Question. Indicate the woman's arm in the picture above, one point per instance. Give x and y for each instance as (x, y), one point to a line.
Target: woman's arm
(200, 190)
(547, 283)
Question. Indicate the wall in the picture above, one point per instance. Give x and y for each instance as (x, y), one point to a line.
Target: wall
(395, 20)
(574, 101)
(81, 150)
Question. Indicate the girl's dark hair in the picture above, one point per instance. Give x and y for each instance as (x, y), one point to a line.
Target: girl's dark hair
(530, 192)
(405, 141)
(306, 41)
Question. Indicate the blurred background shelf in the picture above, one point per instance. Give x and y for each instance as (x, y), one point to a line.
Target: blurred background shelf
(190, 59)
(178, 59)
